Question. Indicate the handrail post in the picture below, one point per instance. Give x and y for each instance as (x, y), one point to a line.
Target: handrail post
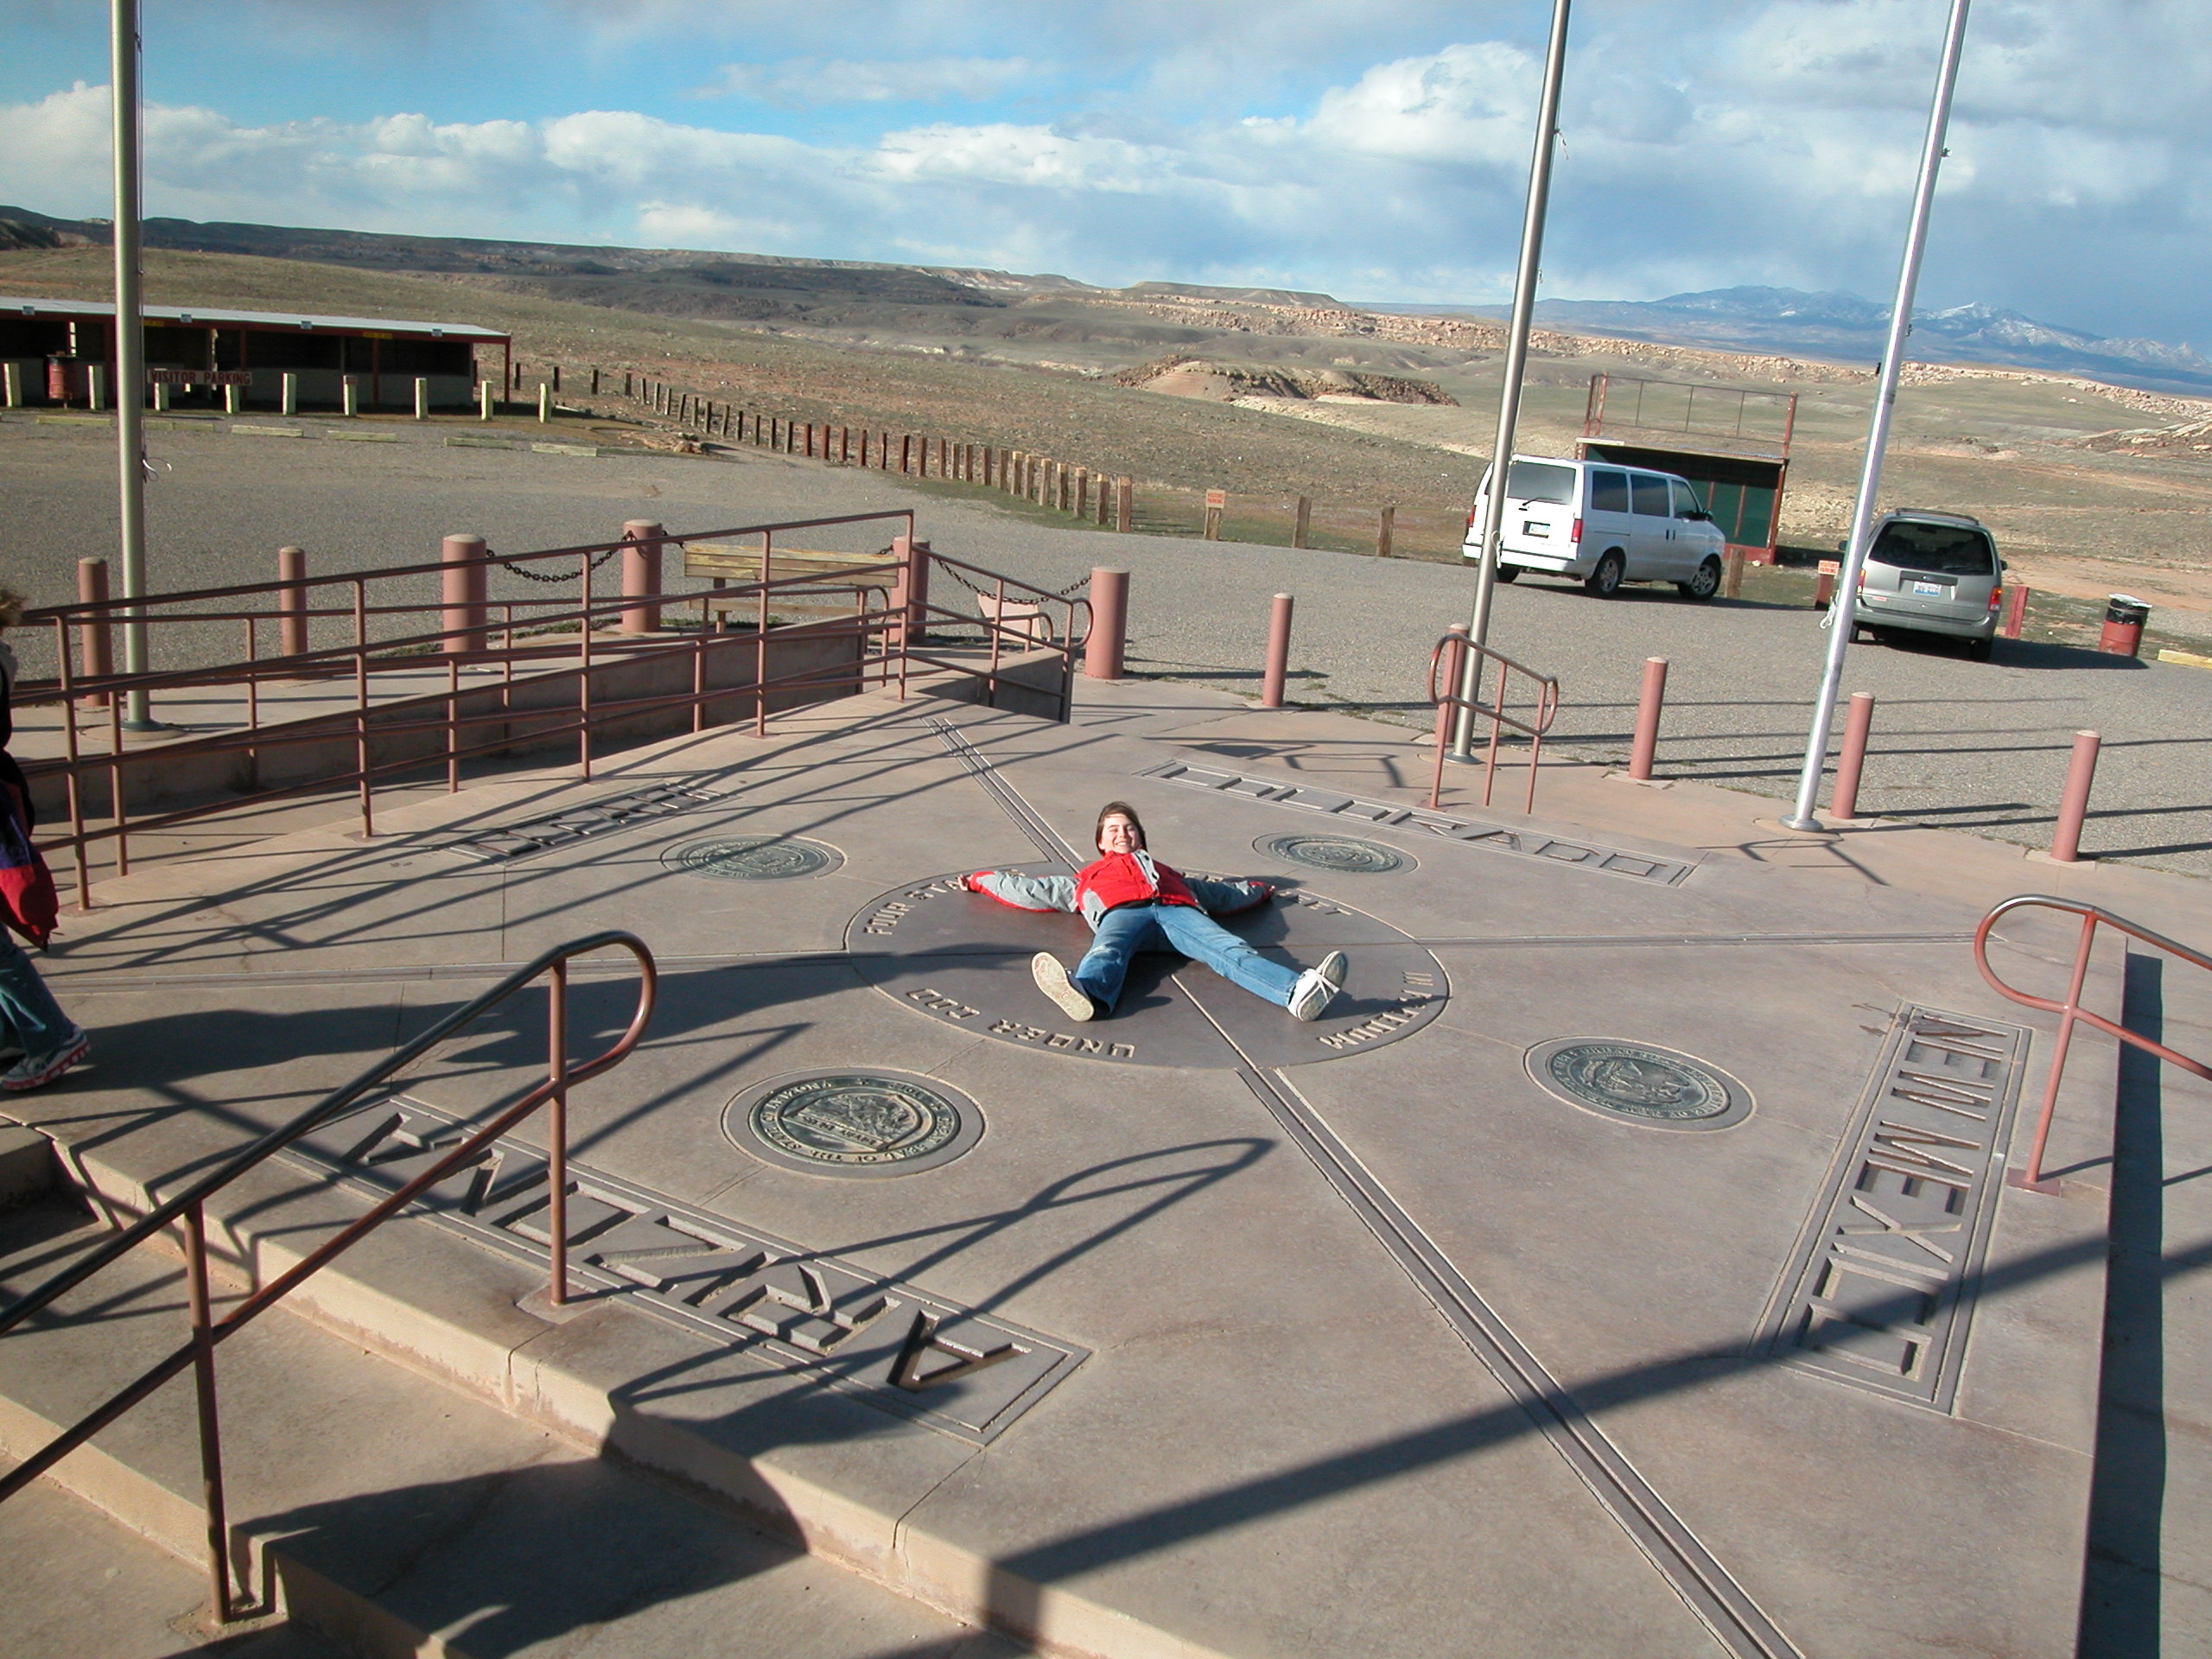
(361, 705)
(2032, 1178)
(1497, 726)
(1452, 649)
(556, 1077)
(211, 1431)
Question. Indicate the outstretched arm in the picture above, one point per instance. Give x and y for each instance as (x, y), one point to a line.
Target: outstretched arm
(1019, 892)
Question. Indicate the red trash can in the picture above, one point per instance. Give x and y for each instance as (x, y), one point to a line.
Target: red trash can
(2123, 631)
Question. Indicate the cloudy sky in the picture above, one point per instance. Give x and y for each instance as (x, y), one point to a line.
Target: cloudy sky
(1378, 149)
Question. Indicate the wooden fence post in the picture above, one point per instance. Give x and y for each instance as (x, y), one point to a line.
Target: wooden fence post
(1383, 534)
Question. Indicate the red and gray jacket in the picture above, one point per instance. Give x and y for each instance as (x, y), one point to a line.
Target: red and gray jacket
(1116, 879)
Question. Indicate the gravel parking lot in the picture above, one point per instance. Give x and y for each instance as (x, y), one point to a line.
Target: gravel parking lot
(1970, 746)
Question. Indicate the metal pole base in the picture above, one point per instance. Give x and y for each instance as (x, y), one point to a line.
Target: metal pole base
(1805, 825)
(149, 724)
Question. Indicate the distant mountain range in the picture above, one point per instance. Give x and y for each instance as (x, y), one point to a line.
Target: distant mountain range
(1844, 327)
(777, 290)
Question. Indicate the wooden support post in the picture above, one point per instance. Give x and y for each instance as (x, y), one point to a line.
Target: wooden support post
(1217, 504)
(1125, 504)
(1303, 524)
(1384, 531)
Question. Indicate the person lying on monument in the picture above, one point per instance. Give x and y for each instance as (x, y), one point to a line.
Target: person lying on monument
(1133, 903)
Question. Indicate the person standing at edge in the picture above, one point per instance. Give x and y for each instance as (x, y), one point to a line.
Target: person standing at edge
(1133, 903)
(39, 1042)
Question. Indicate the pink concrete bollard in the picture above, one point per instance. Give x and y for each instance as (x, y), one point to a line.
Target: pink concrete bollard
(641, 574)
(292, 603)
(1649, 703)
(2015, 611)
(911, 593)
(1856, 726)
(2074, 806)
(1109, 610)
(1278, 652)
(464, 585)
(95, 638)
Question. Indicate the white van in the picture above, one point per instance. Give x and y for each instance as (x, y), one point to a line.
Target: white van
(1602, 524)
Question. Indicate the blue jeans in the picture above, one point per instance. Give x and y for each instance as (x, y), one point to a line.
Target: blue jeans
(1122, 933)
(28, 1009)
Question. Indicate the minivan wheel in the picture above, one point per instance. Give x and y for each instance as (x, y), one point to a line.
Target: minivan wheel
(1981, 651)
(1605, 581)
(1705, 584)
(1508, 572)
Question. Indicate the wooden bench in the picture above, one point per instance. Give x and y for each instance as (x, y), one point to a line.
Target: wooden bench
(823, 572)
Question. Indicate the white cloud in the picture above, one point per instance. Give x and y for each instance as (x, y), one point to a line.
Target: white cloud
(1707, 141)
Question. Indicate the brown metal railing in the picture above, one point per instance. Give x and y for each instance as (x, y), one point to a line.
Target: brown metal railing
(887, 629)
(2070, 1010)
(188, 1210)
(1447, 671)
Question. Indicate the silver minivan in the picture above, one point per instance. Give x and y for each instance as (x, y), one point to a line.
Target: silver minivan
(1932, 572)
(1602, 524)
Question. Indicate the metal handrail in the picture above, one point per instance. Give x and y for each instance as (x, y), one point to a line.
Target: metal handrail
(110, 609)
(190, 1207)
(1449, 659)
(2070, 1010)
(884, 629)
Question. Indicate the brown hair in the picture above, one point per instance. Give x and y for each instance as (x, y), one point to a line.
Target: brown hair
(11, 607)
(1117, 809)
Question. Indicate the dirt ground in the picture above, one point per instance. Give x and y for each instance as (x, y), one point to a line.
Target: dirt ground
(2090, 490)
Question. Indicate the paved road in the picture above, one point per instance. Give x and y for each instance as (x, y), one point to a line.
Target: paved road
(1977, 747)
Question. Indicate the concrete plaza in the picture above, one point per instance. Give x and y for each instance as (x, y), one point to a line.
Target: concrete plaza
(1624, 1267)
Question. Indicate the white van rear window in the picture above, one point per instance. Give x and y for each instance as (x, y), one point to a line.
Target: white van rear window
(1532, 481)
(1941, 549)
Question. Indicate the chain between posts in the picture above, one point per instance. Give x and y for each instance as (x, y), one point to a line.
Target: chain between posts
(508, 564)
(1068, 592)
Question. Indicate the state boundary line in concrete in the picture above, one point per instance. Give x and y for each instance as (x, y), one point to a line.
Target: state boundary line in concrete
(1692, 1572)
(1027, 818)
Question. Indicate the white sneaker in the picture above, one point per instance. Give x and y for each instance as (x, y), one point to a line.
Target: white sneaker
(1332, 968)
(1053, 979)
(1311, 995)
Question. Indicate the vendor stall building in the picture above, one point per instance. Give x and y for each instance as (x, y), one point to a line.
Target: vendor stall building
(61, 353)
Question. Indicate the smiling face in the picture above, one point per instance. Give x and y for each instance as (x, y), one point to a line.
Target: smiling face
(1118, 834)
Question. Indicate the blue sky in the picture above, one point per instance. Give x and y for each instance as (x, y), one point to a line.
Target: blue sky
(1378, 151)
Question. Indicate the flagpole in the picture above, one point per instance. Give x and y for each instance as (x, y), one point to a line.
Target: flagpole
(1516, 363)
(1843, 608)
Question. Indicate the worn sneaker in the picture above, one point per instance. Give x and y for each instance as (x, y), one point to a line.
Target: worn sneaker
(1311, 995)
(36, 1072)
(1053, 979)
(1332, 968)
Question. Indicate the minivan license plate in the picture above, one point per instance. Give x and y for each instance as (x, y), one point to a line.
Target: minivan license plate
(1531, 527)
(1931, 590)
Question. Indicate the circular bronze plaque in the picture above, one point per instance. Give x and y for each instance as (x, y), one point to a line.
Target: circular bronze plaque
(752, 858)
(1338, 854)
(854, 1122)
(1656, 1086)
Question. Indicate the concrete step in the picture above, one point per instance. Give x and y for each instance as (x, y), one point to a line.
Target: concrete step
(384, 1511)
(78, 1583)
